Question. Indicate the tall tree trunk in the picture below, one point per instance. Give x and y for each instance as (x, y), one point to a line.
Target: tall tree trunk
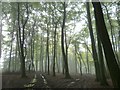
(112, 33)
(57, 64)
(36, 59)
(66, 48)
(45, 66)
(104, 37)
(67, 75)
(80, 65)
(41, 53)
(80, 55)
(32, 54)
(48, 50)
(58, 53)
(95, 57)
(111, 27)
(23, 74)
(75, 58)
(54, 50)
(21, 40)
(18, 46)
(12, 38)
(101, 61)
(36, 54)
(32, 47)
(87, 59)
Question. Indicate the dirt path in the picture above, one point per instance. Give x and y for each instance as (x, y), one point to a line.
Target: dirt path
(33, 80)
(42, 80)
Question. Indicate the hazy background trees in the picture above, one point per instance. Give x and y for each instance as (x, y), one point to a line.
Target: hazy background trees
(62, 37)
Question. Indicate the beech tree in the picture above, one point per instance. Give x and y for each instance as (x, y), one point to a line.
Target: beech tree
(21, 34)
(67, 75)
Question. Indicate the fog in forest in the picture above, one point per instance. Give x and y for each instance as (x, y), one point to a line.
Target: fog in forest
(60, 44)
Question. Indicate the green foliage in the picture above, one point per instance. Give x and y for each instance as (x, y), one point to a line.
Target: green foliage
(45, 15)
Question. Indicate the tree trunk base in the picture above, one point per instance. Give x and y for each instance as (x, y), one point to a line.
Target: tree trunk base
(68, 77)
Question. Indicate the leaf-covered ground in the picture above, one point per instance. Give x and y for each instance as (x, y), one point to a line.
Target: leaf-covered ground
(42, 80)
(77, 81)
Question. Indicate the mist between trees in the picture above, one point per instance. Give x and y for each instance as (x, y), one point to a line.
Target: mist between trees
(62, 37)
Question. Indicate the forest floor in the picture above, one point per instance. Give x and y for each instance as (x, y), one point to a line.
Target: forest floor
(43, 80)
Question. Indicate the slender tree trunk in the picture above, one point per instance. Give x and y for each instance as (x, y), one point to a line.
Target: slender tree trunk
(80, 65)
(47, 50)
(75, 58)
(54, 50)
(16, 56)
(18, 46)
(36, 46)
(32, 57)
(88, 48)
(63, 67)
(32, 49)
(67, 75)
(66, 45)
(11, 49)
(41, 53)
(87, 59)
(57, 54)
(95, 57)
(57, 62)
(104, 37)
(45, 66)
(82, 60)
(23, 74)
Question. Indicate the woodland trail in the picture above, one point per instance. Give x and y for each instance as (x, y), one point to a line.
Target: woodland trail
(43, 80)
